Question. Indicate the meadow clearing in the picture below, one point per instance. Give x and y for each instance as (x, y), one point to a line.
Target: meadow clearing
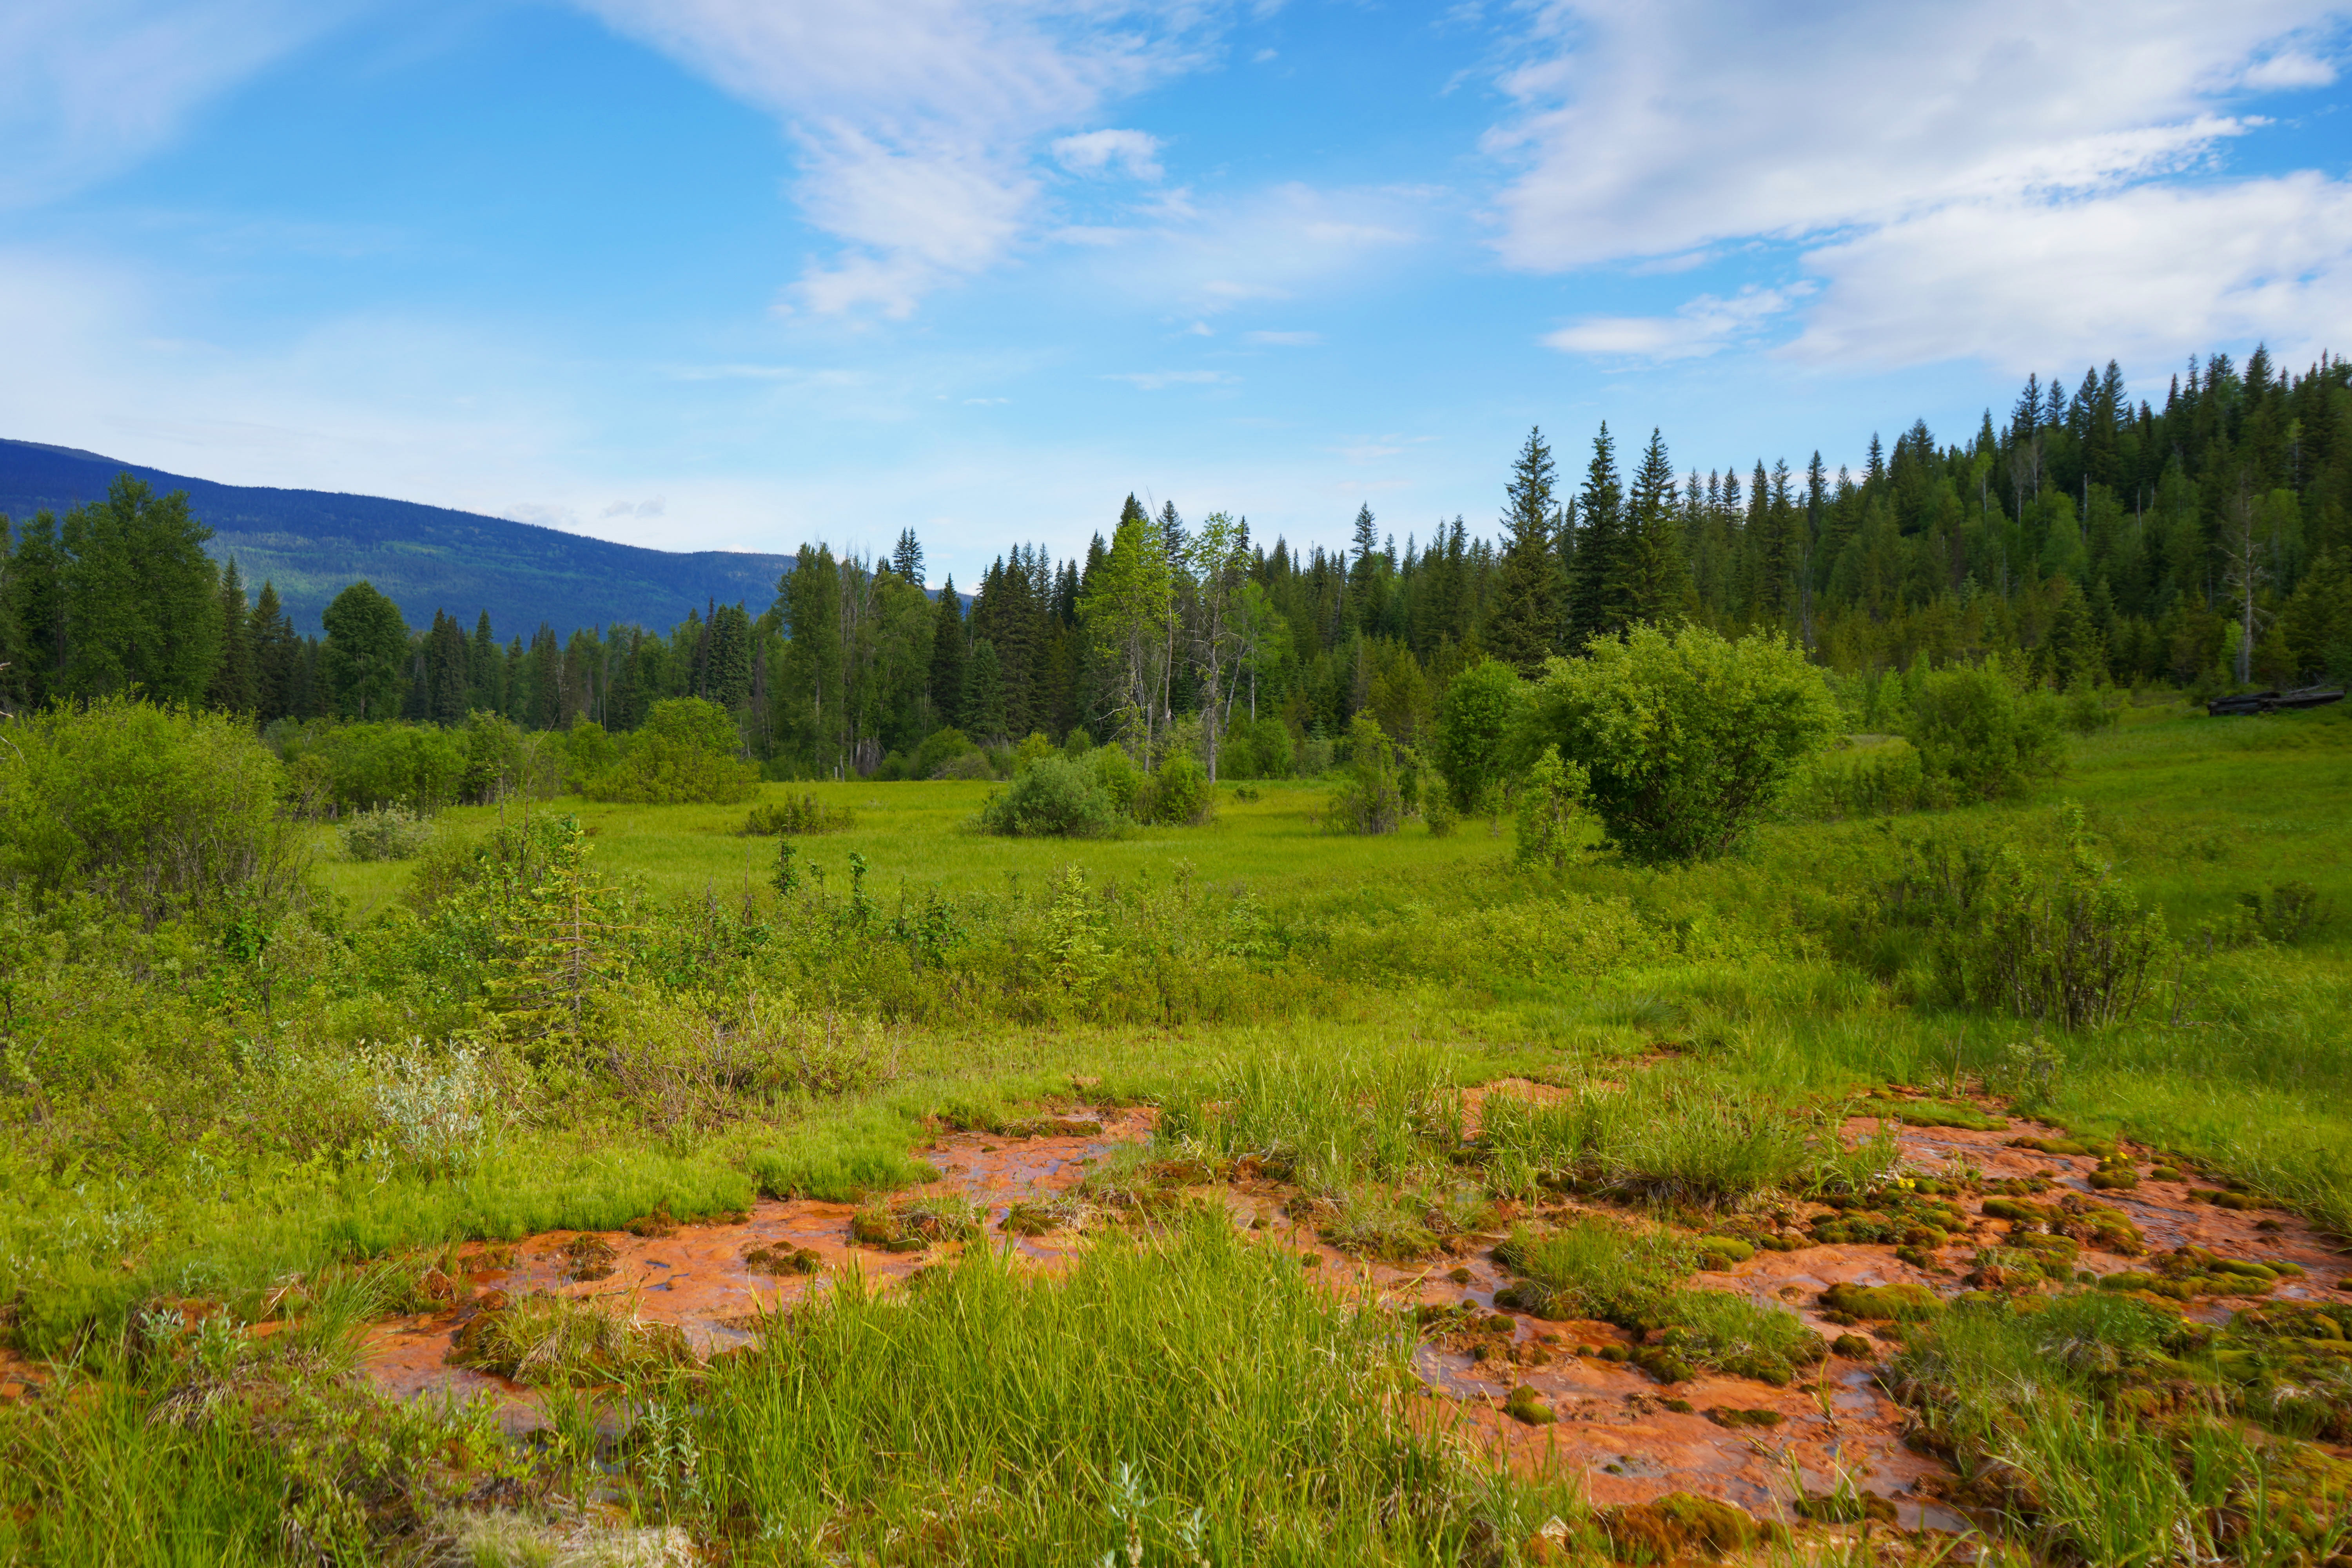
(1338, 1127)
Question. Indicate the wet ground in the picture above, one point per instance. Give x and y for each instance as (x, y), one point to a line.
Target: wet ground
(1628, 1437)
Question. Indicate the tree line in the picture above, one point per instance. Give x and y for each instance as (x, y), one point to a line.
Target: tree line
(2086, 537)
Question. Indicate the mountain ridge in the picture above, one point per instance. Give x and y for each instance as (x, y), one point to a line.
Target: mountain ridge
(311, 544)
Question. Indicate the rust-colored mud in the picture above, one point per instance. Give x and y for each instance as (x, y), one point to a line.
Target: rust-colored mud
(697, 1277)
(1624, 1434)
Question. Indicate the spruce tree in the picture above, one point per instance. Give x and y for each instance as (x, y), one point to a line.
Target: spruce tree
(1660, 574)
(37, 603)
(448, 674)
(235, 689)
(482, 666)
(984, 694)
(1525, 627)
(275, 652)
(1602, 592)
(947, 656)
(907, 557)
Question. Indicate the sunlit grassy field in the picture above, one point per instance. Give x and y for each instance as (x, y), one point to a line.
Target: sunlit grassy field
(210, 1142)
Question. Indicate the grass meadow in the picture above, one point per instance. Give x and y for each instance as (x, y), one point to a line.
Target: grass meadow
(186, 1127)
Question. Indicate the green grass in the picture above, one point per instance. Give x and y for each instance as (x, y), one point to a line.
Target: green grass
(1312, 1004)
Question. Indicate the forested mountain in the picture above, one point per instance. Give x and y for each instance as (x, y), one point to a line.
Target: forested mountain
(310, 543)
(2087, 537)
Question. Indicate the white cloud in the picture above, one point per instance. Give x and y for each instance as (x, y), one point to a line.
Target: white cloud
(2143, 275)
(1703, 326)
(1284, 340)
(1651, 128)
(2286, 70)
(655, 507)
(1154, 380)
(918, 122)
(87, 86)
(1096, 152)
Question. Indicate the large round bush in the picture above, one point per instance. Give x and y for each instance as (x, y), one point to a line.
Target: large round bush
(1052, 797)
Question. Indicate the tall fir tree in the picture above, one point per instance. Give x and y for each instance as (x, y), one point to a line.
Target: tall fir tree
(277, 653)
(948, 652)
(235, 689)
(1661, 578)
(907, 557)
(1525, 630)
(1603, 593)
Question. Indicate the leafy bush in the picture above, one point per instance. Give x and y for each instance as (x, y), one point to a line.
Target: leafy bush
(1255, 749)
(802, 813)
(160, 811)
(1686, 738)
(685, 751)
(1979, 731)
(1551, 807)
(967, 765)
(364, 766)
(940, 748)
(1851, 782)
(1118, 775)
(1369, 798)
(387, 833)
(1179, 794)
(2048, 934)
(1476, 718)
(1052, 797)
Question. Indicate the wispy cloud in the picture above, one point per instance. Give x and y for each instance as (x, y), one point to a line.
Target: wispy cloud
(1098, 151)
(918, 124)
(87, 86)
(1154, 380)
(1284, 340)
(1703, 326)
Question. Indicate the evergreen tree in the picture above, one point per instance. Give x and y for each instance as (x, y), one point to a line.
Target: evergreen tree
(482, 668)
(235, 688)
(364, 664)
(141, 598)
(946, 683)
(1525, 627)
(37, 607)
(1603, 593)
(276, 653)
(1661, 571)
(448, 674)
(984, 694)
(726, 666)
(907, 557)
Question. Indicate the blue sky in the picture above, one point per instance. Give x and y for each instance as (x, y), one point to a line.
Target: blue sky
(740, 273)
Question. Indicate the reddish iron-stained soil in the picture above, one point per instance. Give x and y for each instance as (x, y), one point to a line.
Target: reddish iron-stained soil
(1613, 1428)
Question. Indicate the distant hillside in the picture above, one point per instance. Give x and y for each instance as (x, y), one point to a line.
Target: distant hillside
(312, 542)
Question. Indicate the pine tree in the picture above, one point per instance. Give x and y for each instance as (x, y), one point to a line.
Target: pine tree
(1602, 595)
(235, 689)
(907, 557)
(37, 603)
(947, 656)
(448, 680)
(727, 673)
(1526, 628)
(1661, 571)
(277, 652)
(482, 668)
(984, 694)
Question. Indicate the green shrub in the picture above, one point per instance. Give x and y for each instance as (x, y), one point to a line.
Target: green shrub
(940, 748)
(802, 813)
(364, 766)
(1255, 749)
(2045, 933)
(1983, 733)
(160, 811)
(1118, 775)
(686, 751)
(1850, 782)
(1052, 797)
(387, 833)
(967, 765)
(1686, 739)
(1476, 718)
(1550, 814)
(1369, 798)
(1178, 795)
